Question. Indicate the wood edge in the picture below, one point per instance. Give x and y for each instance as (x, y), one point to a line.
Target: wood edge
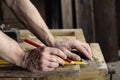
(100, 61)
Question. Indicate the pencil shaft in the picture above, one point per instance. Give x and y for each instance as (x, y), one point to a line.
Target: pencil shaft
(76, 62)
(67, 61)
(32, 43)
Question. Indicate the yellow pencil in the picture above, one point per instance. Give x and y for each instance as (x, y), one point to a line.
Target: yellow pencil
(2, 62)
(76, 62)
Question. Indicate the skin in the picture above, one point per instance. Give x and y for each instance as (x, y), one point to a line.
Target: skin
(45, 59)
(39, 59)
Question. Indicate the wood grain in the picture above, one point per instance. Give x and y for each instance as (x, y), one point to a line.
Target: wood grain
(67, 20)
(95, 70)
(16, 72)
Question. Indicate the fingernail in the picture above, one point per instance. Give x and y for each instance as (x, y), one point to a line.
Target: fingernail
(91, 58)
(78, 58)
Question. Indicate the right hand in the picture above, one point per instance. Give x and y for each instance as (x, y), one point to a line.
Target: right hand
(43, 59)
(68, 45)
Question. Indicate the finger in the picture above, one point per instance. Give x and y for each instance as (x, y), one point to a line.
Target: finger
(59, 53)
(87, 47)
(47, 65)
(47, 69)
(56, 59)
(71, 55)
(53, 64)
(80, 48)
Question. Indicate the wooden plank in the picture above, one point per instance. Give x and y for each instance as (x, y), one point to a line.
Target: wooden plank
(100, 61)
(79, 35)
(87, 72)
(106, 31)
(9, 79)
(13, 71)
(25, 78)
(95, 70)
(85, 18)
(67, 20)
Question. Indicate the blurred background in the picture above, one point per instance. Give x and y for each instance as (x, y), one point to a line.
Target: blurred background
(99, 20)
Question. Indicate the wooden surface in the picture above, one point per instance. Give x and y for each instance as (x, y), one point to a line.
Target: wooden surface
(95, 70)
(13, 71)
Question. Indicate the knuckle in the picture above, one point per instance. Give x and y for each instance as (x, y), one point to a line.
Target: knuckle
(46, 48)
(58, 51)
(61, 61)
(74, 40)
(55, 65)
(43, 56)
(43, 68)
(87, 45)
(42, 62)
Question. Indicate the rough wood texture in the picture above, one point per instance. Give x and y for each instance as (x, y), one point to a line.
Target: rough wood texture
(100, 61)
(95, 70)
(13, 71)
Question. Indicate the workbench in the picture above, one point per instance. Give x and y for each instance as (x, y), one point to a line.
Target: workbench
(95, 70)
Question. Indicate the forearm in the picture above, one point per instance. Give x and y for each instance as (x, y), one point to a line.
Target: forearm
(31, 18)
(10, 50)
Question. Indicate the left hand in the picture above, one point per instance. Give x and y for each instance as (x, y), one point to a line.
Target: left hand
(67, 46)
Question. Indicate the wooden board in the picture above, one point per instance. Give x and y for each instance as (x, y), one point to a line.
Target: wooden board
(11, 71)
(95, 70)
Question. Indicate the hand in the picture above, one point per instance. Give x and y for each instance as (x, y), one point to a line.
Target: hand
(67, 46)
(43, 59)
